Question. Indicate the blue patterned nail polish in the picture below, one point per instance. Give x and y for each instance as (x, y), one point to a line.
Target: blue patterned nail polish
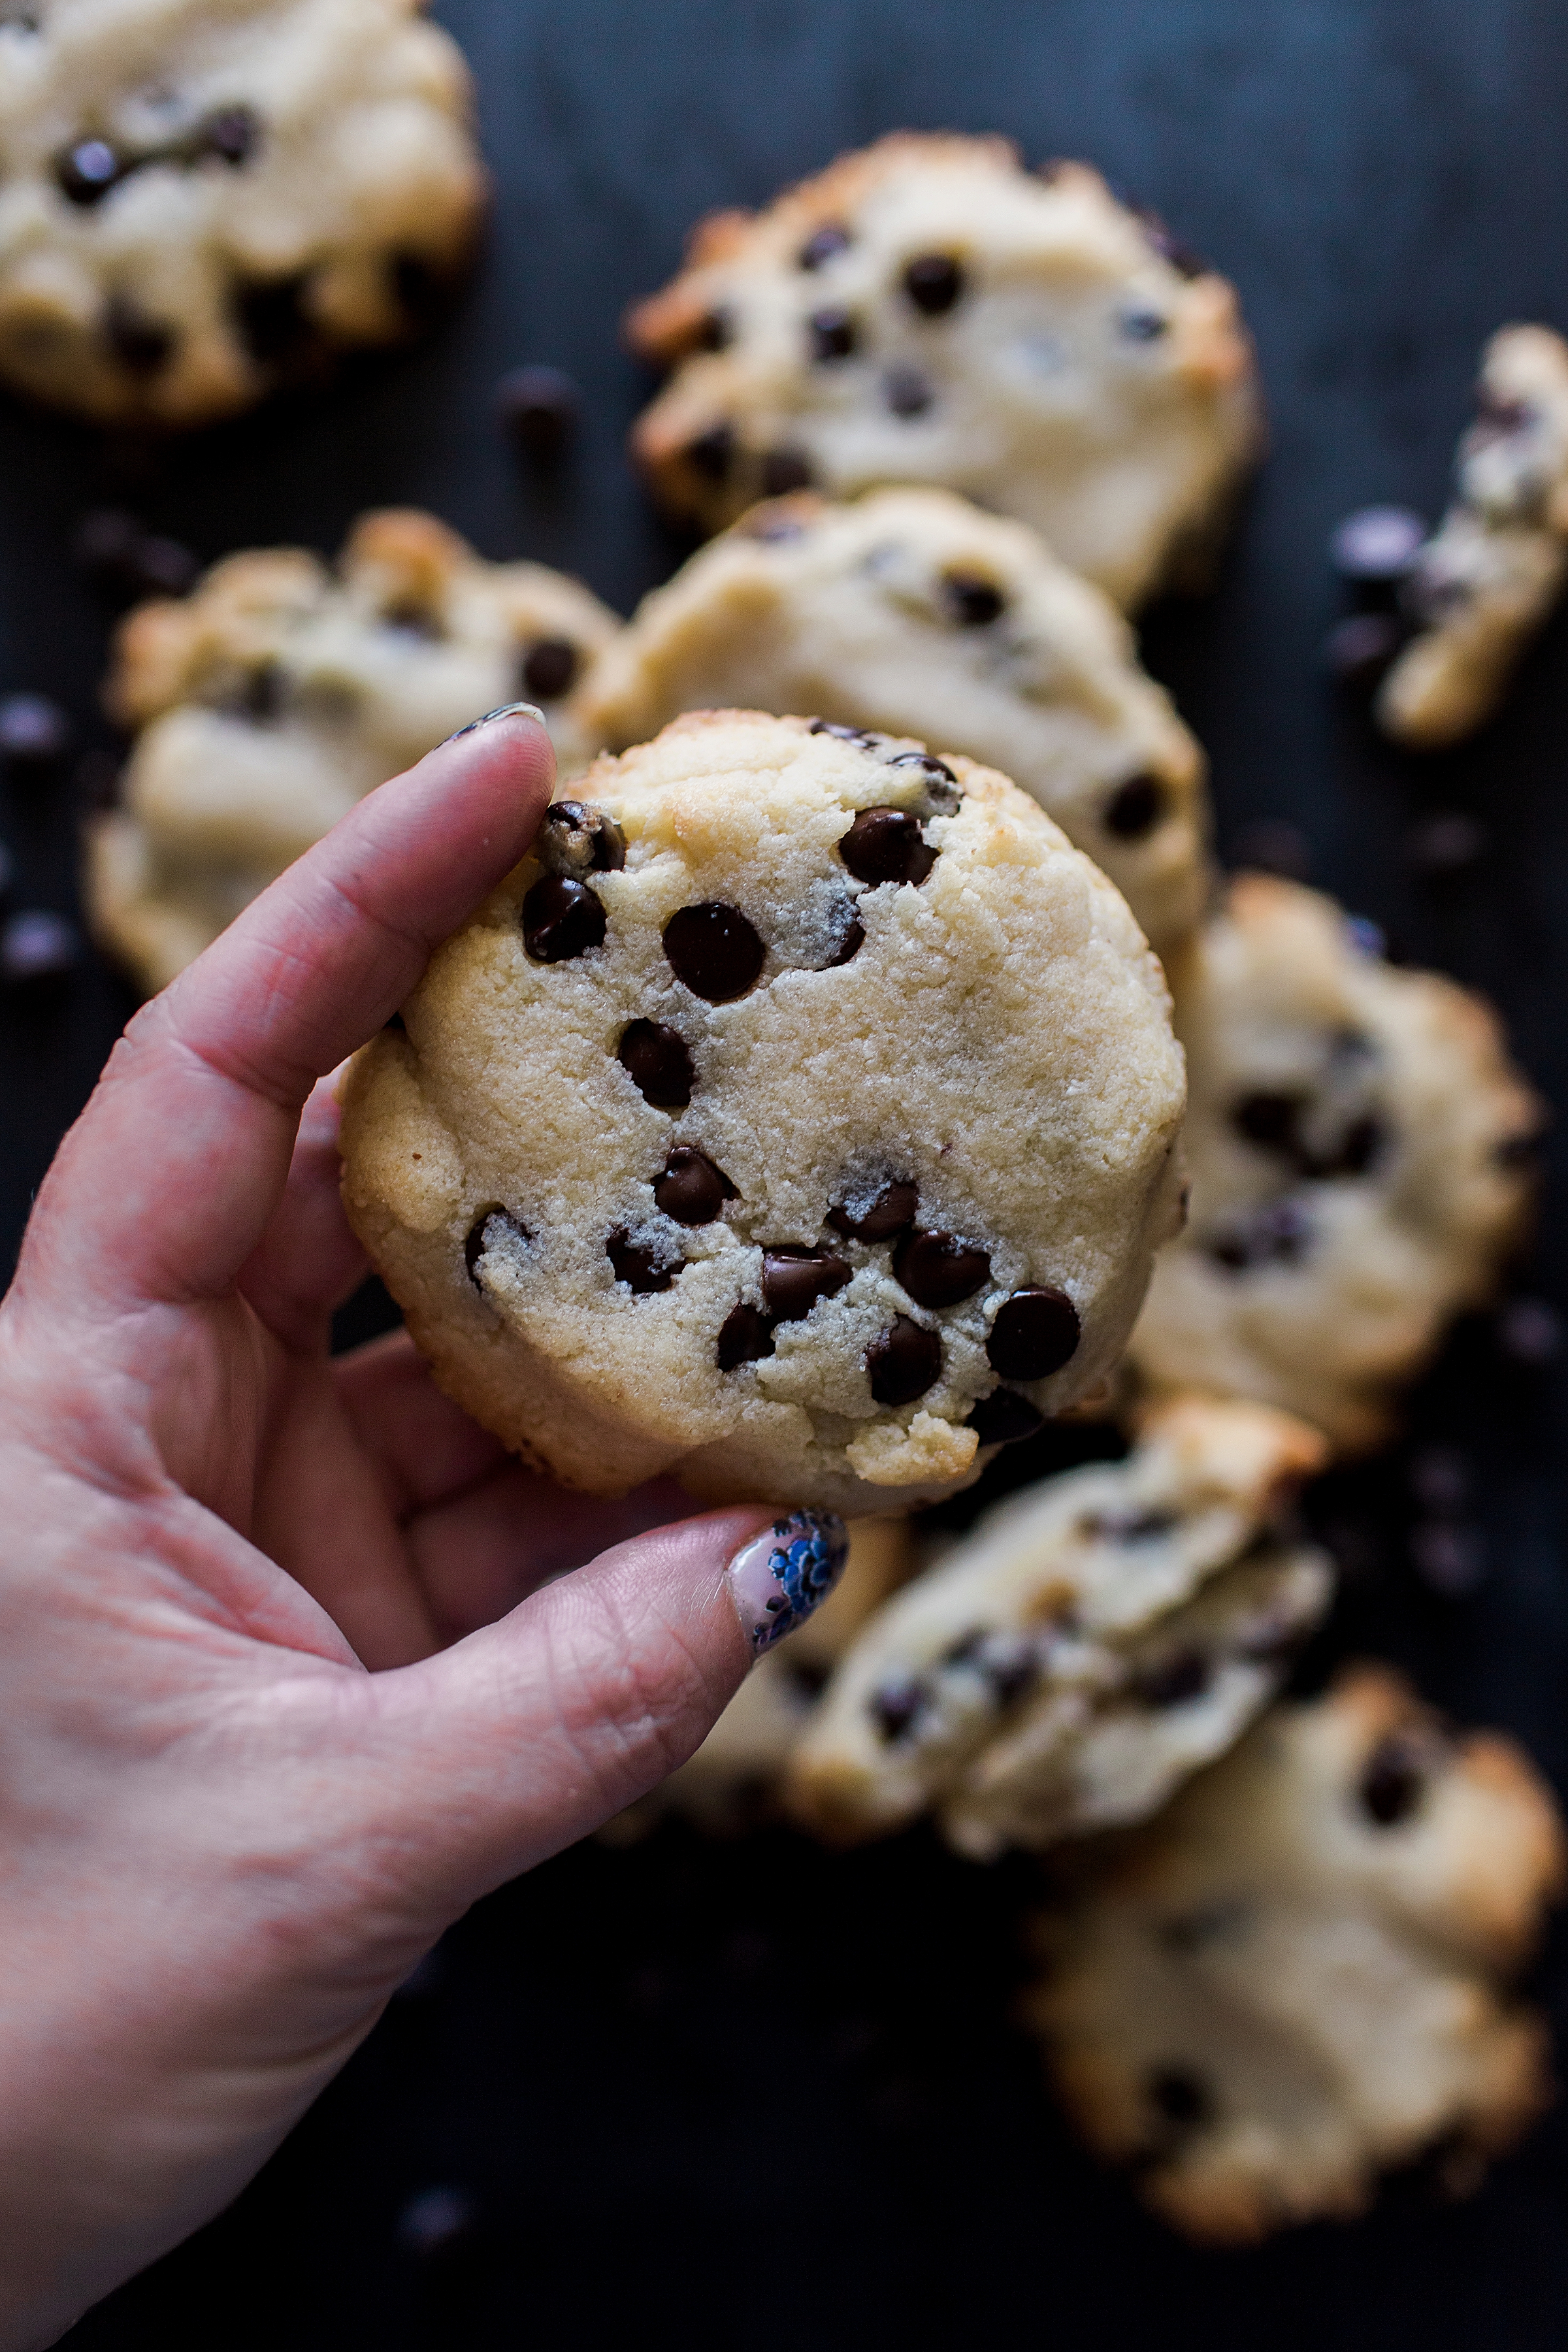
(505, 710)
(781, 1577)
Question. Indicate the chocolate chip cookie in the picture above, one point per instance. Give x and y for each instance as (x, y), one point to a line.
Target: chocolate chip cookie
(1092, 1641)
(800, 1117)
(1295, 1979)
(1481, 586)
(278, 693)
(912, 611)
(203, 203)
(928, 312)
(1360, 1148)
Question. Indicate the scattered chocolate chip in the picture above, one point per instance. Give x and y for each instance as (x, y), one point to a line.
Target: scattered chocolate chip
(745, 1337)
(691, 1189)
(933, 282)
(973, 601)
(576, 838)
(1277, 1233)
(642, 1265)
(897, 1704)
(561, 919)
(549, 669)
(1140, 325)
(1269, 1119)
(658, 1061)
(1273, 845)
(538, 408)
(938, 1270)
(785, 470)
(1357, 651)
(233, 133)
(1136, 807)
(34, 732)
(717, 331)
(884, 844)
(832, 332)
(893, 1211)
(37, 948)
(87, 172)
(1179, 2098)
(907, 391)
(1184, 1675)
(270, 315)
(140, 344)
(904, 1362)
(713, 951)
(822, 244)
(1447, 844)
(794, 1279)
(1530, 1332)
(1392, 1782)
(1004, 1418)
(711, 454)
(1376, 546)
(479, 1237)
(1035, 1333)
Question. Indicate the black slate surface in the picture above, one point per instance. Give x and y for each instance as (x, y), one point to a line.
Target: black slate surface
(752, 2096)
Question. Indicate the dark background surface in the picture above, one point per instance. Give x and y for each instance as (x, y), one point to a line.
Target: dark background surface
(752, 2096)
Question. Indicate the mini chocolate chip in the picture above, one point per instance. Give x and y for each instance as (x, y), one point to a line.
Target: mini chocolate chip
(538, 408)
(576, 838)
(1363, 1144)
(479, 1239)
(1184, 1675)
(933, 282)
(140, 344)
(1179, 2097)
(39, 950)
(642, 1265)
(938, 1270)
(1376, 546)
(33, 732)
(1139, 325)
(973, 601)
(794, 1279)
(717, 331)
(691, 1189)
(1035, 1332)
(1358, 650)
(896, 1704)
(893, 1211)
(904, 1362)
(658, 1061)
(785, 470)
(1136, 807)
(1269, 1117)
(1004, 1418)
(832, 333)
(1392, 1782)
(822, 244)
(711, 454)
(907, 391)
(713, 951)
(745, 1337)
(87, 172)
(561, 919)
(271, 317)
(234, 134)
(884, 844)
(550, 667)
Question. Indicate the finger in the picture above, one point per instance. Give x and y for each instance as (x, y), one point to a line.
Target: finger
(425, 1447)
(164, 1186)
(308, 1261)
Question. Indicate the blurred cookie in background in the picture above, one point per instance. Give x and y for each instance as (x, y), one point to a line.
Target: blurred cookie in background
(912, 612)
(926, 311)
(280, 691)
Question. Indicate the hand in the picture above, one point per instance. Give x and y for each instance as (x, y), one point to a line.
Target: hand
(261, 1734)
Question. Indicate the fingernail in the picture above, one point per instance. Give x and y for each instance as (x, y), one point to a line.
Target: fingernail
(781, 1576)
(507, 711)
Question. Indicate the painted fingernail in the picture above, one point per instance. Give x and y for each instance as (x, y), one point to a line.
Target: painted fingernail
(781, 1576)
(507, 711)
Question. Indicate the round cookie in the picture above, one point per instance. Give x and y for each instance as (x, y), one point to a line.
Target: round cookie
(1360, 1151)
(1293, 1979)
(913, 610)
(928, 312)
(277, 695)
(198, 203)
(800, 1118)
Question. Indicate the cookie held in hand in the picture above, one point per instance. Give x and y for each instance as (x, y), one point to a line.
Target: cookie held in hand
(799, 1118)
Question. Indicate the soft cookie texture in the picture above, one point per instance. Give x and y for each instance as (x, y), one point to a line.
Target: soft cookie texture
(1093, 1641)
(1292, 1980)
(928, 312)
(278, 693)
(800, 1117)
(198, 201)
(1359, 1150)
(910, 610)
(1484, 583)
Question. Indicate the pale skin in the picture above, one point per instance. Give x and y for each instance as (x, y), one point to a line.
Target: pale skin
(281, 1693)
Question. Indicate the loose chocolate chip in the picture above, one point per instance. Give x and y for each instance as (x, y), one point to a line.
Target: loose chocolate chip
(1004, 1418)
(1269, 1119)
(973, 601)
(38, 950)
(822, 244)
(907, 391)
(1173, 1681)
(938, 1270)
(234, 132)
(1142, 326)
(1035, 1333)
(711, 454)
(87, 172)
(658, 1061)
(1377, 545)
(538, 408)
(884, 844)
(480, 1238)
(832, 333)
(785, 470)
(691, 1189)
(1277, 1233)
(745, 1337)
(1179, 2097)
(550, 667)
(33, 732)
(576, 838)
(897, 1704)
(933, 282)
(140, 344)
(713, 951)
(1392, 1782)
(794, 1279)
(561, 919)
(642, 1265)
(904, 1362)
(270, 315)
(1359, 650)
(893, 1211)
(717, 331)
(1136, 807)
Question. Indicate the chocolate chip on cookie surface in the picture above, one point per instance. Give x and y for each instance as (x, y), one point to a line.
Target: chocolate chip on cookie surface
(778, 1200)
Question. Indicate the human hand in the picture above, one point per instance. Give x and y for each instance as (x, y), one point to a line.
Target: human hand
(282, 1687)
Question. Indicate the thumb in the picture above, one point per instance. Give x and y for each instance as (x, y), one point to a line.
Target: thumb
(531, 1732)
